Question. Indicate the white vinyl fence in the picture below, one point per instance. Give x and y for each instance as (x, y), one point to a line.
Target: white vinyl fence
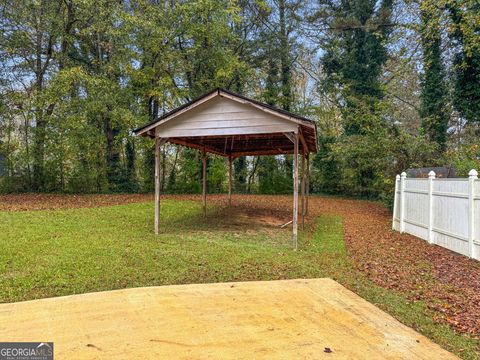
(445, 212)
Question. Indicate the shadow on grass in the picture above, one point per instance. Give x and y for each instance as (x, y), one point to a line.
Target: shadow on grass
(236, 224)
(223, 218)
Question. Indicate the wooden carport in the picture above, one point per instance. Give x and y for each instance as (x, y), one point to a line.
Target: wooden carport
(231, 125)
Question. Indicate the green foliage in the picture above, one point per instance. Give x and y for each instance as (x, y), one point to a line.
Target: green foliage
(240, 173)
(107, 69)
(189, 179)
(355, 160)
(217, 175)
(272, 179)
(465, 32)
(465, 158)
(365, 165)
(78, 76)
(354, 56)
(326, 168)
(434, 110)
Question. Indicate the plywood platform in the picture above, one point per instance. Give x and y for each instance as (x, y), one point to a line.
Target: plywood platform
(290, 319)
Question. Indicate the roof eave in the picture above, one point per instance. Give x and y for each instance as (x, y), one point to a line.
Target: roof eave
(146, 129)
(141, 130)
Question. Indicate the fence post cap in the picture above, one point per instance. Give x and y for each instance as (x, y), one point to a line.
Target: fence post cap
(473, 174)
(397, 177)
(431, 174)
(404, 175)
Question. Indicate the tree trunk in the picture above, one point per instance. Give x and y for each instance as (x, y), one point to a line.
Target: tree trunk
(173, 172)
(285, 66)
(112, 155)
(252, 174)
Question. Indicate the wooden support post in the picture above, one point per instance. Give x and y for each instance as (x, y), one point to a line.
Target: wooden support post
(307, 185)
(157, 184)
(295, 192)
(303, 192)
(230, 161)
(302, 140)
(204, 179)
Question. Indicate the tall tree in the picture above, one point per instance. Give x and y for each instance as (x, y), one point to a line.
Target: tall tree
(285, 55)
(240, 174)
(434, 109)
(355, 52)
(354, 36)
(465, 32)
(30, 33)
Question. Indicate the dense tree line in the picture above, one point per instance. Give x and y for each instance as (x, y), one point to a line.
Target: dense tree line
(392, 84)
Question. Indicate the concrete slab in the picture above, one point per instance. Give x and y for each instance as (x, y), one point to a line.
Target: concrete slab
(288, 319)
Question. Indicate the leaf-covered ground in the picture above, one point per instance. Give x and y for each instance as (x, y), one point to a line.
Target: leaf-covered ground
(447, 284)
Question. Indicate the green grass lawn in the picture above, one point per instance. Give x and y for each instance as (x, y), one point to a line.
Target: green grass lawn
(62, 252)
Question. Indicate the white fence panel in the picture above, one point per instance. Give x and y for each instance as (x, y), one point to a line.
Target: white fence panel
(416, 208)
(445, 212)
